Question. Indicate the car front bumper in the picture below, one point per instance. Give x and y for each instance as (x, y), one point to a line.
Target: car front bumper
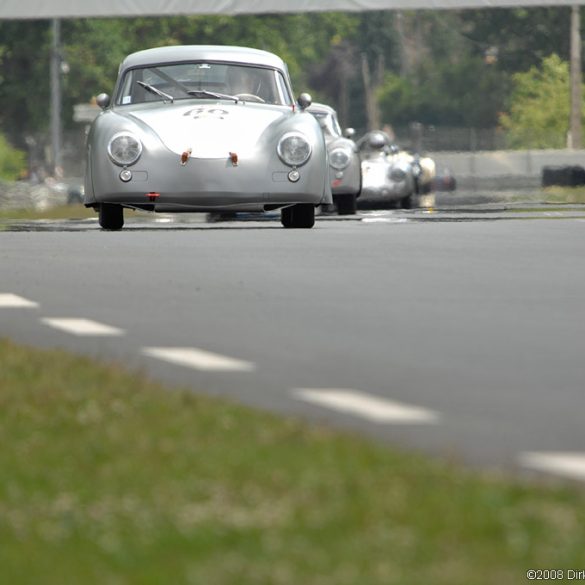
(163, 183)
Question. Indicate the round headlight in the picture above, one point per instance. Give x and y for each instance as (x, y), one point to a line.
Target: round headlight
(124, 149)
(339, 158)
(294, 149)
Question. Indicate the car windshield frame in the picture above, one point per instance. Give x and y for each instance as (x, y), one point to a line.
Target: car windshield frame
(203, 80)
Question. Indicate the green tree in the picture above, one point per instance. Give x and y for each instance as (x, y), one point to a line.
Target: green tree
(522, 37)
(24, 79)
(468, 93)
(538, 115)
(456, 67)
(12, 161)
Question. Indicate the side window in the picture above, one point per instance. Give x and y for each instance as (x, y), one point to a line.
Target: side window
(126, 91)
(336, 126)
(283, 92)
(130, 91)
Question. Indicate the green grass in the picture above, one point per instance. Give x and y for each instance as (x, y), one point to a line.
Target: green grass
(108, 478)
(570, 195)
(58, 212)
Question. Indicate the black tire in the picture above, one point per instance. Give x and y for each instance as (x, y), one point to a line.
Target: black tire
(301, 216)
(346, 204)
(563, 176)
(407, 202)
(286, 217)
(111, 216)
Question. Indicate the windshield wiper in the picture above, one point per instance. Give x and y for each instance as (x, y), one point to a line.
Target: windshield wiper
(203, 93)
(156, 91)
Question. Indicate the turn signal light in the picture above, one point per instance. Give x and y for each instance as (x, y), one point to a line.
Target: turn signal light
(185, 156)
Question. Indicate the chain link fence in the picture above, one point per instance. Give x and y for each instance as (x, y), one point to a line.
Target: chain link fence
(429, 138)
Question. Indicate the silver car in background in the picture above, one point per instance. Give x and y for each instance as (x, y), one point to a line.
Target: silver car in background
(388, 175)
(344, 161)
(205, 128)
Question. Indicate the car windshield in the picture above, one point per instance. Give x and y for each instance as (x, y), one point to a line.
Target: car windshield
(203, 81)
(328, 123)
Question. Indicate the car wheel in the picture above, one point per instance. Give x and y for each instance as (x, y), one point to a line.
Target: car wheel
(407, 202)
(286, 217)
(301, 215)
(346, 204)
(111, 216)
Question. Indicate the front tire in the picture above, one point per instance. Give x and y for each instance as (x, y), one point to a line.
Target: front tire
(346, 204)
(111, 216)
(301, 215)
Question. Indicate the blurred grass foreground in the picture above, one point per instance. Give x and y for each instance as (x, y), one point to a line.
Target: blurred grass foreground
(106, 477)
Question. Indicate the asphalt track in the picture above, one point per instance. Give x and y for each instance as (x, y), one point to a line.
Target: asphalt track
(459, 332)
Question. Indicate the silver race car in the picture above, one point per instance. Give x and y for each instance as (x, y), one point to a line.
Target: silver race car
(344, 161)
(205, 128)
(388, 174)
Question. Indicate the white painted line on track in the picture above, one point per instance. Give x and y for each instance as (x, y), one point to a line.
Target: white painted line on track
(198, 359)
(567, 464)
(384, 220)
(373, 408)
(11, 301)
(85, 327)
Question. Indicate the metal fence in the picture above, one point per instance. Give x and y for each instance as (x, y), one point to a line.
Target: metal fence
(430, 138)
(422, 138)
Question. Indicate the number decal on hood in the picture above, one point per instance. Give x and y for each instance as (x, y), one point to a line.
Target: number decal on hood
(199, 112)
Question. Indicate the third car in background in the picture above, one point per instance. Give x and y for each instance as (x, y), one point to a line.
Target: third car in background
(392, 177)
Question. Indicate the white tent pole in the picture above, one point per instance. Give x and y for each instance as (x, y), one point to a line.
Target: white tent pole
(56, 158)
(576, 78)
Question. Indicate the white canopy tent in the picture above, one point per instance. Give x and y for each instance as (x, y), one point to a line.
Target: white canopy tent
(29, 9)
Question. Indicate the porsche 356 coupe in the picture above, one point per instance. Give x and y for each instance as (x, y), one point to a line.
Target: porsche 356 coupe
(205, 128)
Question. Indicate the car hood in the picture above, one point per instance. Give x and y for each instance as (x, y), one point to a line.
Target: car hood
(211, 131)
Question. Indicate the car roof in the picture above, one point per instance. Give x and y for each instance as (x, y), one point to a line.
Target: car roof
(172, 54)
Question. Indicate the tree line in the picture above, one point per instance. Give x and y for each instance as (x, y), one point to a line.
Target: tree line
(440, 68)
